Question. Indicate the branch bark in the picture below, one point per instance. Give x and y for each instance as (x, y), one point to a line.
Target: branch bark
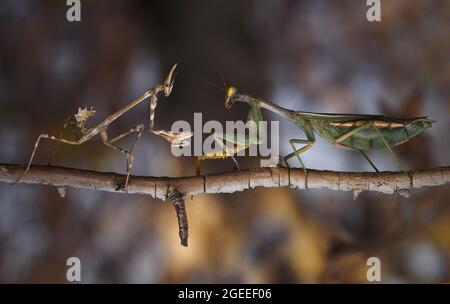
(175, 189)
(229, 182)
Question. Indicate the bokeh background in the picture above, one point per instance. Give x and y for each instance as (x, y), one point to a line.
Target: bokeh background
(316, 55)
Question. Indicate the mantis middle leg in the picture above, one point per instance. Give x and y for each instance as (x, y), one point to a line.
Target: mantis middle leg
(139, 129)
(297, 152)
(309, 143)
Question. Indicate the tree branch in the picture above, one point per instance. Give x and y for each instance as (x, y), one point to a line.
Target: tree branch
(229, 182)
(175, 189)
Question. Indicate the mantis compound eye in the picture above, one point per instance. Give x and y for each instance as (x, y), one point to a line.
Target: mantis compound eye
(230, 96)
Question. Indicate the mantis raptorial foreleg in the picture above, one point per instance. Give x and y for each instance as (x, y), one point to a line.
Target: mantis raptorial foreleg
(139, 129)
(153, 104)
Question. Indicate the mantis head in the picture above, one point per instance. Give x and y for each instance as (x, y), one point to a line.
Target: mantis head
(168, 83)
(83, 114)
(230, 97)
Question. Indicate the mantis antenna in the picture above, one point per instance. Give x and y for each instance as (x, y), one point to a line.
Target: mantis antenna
(223, 80)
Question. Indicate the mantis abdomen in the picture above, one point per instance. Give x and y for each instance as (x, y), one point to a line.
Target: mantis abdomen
(367, 137)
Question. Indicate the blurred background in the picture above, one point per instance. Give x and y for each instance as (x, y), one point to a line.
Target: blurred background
(321, 56)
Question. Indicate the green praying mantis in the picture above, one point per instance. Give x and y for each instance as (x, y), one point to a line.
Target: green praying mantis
(359, 132)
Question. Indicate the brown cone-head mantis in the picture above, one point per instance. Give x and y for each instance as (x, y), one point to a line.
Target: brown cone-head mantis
(84, 134)
(358, 132)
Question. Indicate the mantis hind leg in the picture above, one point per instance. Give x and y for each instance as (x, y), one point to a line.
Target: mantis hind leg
(394, 157)
(353, 132)
(368, 159)
(309, 143)
(58, 140)
(388, 147)
(139, 129)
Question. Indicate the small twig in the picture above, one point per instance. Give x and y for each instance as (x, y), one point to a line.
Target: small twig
(178, 202)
